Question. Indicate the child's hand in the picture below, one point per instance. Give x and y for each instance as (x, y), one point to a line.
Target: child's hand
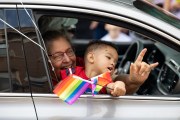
(118, 88)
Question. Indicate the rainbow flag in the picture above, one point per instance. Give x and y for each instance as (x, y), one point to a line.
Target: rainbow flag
(100, 81)
(71, 88)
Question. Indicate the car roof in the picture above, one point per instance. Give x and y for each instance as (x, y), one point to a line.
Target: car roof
(127, 9)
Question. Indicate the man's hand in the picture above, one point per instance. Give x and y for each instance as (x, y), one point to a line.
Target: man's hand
(139, 70)
(117, 88)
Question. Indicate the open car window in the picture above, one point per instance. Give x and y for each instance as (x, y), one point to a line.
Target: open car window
(26, 78)
(82, 30)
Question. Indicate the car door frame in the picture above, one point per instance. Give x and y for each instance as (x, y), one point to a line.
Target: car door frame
(16, 105)
(49, 103)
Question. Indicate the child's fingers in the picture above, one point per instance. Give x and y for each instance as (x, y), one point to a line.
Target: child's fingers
(119, 89)
(114, 94)
(118, 92)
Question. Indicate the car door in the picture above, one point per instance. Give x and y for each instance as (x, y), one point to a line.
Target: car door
(16, 102)
(49, 106)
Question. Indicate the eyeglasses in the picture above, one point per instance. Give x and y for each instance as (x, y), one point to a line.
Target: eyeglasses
(60, 55)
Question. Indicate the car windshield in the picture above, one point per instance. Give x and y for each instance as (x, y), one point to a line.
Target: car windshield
(157, 12)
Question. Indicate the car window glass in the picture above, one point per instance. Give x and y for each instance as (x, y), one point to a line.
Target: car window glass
(4, 75)
(157, 12)
(12, 70)
(33, 53)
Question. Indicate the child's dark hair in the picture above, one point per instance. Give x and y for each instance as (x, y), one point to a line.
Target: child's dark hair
(50, 36)
(93, 45)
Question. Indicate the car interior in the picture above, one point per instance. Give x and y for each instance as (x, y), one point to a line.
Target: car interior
(163, 80)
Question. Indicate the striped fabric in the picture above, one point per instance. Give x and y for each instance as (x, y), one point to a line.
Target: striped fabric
(100, 81)
(71, 88)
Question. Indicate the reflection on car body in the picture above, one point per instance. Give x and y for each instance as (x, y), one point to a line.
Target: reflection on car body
(25, 79)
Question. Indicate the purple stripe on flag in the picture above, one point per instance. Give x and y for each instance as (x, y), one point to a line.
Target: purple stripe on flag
(75, 91)
(78, 93)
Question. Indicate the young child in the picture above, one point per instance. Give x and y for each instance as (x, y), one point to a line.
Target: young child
(100, 57)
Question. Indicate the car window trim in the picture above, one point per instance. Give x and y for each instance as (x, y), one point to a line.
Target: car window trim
(108, 17)
(96, 13)
(15, 94)
(7, 6)
(131, 97)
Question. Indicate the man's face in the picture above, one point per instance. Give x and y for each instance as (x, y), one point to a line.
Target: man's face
(62, 54)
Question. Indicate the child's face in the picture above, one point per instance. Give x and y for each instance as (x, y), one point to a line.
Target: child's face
(105, 59)
(63, 55)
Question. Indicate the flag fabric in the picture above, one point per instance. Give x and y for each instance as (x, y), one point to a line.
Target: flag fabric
(100, 81)
(70, 88)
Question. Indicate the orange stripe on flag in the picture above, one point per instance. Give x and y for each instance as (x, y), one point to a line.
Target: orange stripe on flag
(103, 81)
(63, 85)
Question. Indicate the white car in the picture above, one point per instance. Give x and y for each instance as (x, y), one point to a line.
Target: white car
(25, 79)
